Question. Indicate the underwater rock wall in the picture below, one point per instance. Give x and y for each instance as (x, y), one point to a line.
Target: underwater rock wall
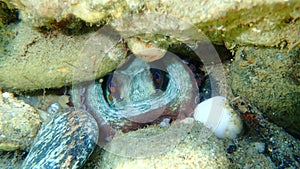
(272, 23)
(41, 50)
(269, 78)
(221, 20)
(33, 60)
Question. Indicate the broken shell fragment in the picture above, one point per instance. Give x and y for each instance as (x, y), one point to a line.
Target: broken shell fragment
(216, 114)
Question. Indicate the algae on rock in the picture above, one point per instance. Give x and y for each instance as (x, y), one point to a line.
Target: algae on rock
(258, 22)
(37, 61)
(194, 151)
(19, 123)
(7, 13)
(33, 60)
(269, 78)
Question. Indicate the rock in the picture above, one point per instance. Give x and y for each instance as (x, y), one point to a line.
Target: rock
(271, 22)
(39, 61)
(8, 13)
(145, 51)
(281, 147)
(246, 155)
(11, 159)
(19, 123)
(269, 78)
(193, 151)
(254, 22)
(44, 12)
(65, 142)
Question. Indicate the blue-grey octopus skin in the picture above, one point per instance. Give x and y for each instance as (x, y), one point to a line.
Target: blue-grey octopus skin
(136, 101)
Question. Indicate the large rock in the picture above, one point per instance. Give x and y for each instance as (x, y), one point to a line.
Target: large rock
(269, 78)
(19, 123)
(64, 142)
(262, 22)
(33, 60)
(38, 61)
(194, 151)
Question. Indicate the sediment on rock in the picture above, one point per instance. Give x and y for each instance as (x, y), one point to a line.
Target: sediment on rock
(19, 123)
(33, 60)
(38, 62)
(269, 78)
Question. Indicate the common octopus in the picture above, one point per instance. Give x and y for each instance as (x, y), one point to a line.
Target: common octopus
(140, 93)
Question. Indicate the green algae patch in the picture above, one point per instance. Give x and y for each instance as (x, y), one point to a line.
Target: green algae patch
(269, 78)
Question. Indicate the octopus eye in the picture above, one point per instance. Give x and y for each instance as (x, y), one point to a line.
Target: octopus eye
(110, 89)
(160, 79)
(157, 77)
(192, 67)
(110, 97)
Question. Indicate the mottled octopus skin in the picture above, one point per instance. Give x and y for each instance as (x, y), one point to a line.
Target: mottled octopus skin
(64, 142)
(179, 96)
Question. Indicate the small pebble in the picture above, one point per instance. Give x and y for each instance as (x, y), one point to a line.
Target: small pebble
(231, 148)
(53, 108)
(165, 122)
(260, 147)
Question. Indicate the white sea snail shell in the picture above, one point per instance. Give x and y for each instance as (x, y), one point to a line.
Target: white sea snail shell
(216, 114)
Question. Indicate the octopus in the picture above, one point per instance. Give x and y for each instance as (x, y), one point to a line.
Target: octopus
(139, 93)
